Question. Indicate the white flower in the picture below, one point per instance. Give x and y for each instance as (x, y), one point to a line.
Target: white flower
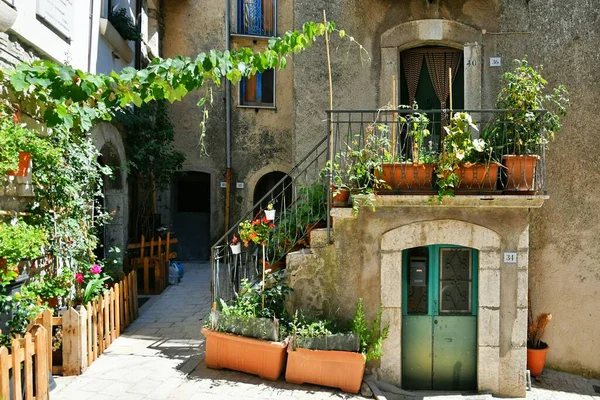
(479, 144)
(460, 154)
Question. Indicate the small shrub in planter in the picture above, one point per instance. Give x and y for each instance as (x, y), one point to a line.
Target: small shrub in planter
(244, 335)
(322, 356)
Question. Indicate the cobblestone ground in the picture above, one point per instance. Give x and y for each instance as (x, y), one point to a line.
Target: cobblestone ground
(160, 357)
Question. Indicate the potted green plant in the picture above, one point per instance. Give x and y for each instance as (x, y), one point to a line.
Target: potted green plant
(340, 192)
(415, 171)
(245, 334)
(536, 349)
(363, 160)
(533, 118)
(337, 358)
(463, 162)
(50, 286)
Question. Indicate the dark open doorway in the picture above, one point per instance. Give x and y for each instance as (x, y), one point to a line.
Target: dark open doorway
(192, 197)
(281, 197)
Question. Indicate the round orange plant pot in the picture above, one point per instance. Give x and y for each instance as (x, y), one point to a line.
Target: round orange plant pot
(253, 356)
(520, 173)
(340, 369)
(536, 358)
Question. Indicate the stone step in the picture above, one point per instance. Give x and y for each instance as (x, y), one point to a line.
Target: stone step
(318, 238)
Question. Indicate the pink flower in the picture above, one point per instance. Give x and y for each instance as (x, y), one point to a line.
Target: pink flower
(96, 269)
(79, 278)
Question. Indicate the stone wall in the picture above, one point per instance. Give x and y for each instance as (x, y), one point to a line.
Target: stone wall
(366, 261)
(562, 36)
(261, 138)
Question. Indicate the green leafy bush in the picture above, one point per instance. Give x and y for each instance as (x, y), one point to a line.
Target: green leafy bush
(18, 241)
(371, 337)
(24, 308)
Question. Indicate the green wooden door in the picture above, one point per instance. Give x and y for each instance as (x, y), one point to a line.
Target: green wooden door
(439, 323)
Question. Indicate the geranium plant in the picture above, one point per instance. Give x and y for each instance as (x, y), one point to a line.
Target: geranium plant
(256, 231)
(458, 149)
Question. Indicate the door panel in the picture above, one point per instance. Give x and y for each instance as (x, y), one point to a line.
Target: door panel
(416, 352)
(439, 329)
(454, 352)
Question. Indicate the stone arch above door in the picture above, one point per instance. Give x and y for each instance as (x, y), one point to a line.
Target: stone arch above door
(428, 32)
(451, 232)
(109, 142)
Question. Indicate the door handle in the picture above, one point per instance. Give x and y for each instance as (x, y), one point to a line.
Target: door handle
(435, 321)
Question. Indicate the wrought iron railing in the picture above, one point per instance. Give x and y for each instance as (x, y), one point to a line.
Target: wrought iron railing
(378, 150)
(257, 17)
(302, 204)
(375, 150)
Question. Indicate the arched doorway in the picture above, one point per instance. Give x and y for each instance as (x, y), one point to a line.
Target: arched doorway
(281, 197)
(112, 201)
(191, 222)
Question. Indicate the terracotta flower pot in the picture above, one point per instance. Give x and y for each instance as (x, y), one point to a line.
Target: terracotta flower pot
(519, 173)
(253, 356)
(478, 176)
(406, 175)
(536, 358)
(340, 196)
(24, 166)
(340, 369)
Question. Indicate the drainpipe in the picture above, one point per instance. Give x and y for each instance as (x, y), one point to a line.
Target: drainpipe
(228, 119)
(91, 31)
(138, 43)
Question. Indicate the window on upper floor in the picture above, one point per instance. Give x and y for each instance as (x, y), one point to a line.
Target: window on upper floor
(258, 90)
(257, 17)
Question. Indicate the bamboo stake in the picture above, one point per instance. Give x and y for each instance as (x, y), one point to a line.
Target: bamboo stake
(450, 83)
(262, 289)
(330, 99)
(393, 116)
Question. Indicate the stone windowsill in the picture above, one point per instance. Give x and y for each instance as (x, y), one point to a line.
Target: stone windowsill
(110, 34)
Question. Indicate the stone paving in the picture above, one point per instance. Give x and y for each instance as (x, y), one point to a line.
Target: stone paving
(160, 357)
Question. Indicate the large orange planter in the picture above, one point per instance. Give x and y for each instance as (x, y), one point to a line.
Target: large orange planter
(341, 369)
(253, 356)
(520, 172)
(406, 175)
(536, 358)
(478, 176)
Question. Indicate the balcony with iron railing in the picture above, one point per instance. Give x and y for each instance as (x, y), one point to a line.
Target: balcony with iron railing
(386, 158)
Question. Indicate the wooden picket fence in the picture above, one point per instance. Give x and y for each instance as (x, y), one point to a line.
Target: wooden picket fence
(32, 352)
(89, 331)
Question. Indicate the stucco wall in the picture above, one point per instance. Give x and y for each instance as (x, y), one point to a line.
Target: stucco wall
(563, 36)
(560, 35)
(366, 261)
(261, 138)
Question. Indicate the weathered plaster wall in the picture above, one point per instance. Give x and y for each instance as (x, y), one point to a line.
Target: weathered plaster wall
(261, 138)
(356, 83)
(365, 261)
(564, 272)
(562, 36)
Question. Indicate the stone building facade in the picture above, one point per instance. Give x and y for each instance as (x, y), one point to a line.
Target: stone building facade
(555, 241)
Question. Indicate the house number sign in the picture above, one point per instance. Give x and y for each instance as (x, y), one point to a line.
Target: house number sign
(510, 257)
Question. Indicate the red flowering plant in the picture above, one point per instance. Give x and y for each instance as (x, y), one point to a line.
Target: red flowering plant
(256, 231)
(90, 283)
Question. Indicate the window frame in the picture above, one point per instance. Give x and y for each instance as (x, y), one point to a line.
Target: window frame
(240, 21)
(268, 106)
